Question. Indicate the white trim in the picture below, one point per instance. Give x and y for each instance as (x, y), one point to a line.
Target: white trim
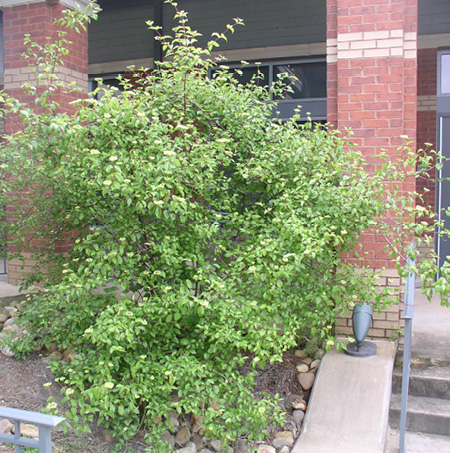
(253, 54)
(69, 3)
(119, 66)
(272, 52)
(440, 54)
(75, 4)
(6, 3)
(439, 207)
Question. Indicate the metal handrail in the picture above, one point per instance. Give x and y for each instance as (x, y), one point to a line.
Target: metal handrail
(44, 422)
(408, 317)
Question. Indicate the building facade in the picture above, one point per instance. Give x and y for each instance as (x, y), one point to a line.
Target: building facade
(380, 67)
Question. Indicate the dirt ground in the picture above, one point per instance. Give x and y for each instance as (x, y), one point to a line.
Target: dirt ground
(22, 387)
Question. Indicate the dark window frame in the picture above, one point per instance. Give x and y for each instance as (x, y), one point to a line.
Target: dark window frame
(313, 107)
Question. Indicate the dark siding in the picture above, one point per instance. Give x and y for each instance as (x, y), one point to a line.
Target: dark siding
(120, 33)
(434, 17)
(267, 22)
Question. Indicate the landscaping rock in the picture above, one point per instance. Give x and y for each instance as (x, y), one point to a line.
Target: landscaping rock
(285, 450)
(241, 446)
(205, 450)
(7, 330)
(3, 317)
(266, 449)
(52, 347)
(12, 326)
(283, 439)
(29, 430)
(301, 354)
(282, 434)
(183, 436)
(298, 415)
(197, 424)
(11, 311)
(308, 360)
(198, 441)
(306, 380)
(216, 445)
(302, 368)
(55, 356)
(5, 426)
(107, 436)
(299, 404)
(71, 357)
(174, 421)
(319, 354)
(6, 350)
(190, 448)
(315, 364)
(290, 401)
(10, 322)
(167, 437)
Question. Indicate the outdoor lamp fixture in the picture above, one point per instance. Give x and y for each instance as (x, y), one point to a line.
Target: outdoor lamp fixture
(361, 319)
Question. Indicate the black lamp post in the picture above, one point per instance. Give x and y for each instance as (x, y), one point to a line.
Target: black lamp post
(361, 320)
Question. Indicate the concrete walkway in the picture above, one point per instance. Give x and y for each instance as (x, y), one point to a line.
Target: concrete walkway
(349, 406)
(431, 328)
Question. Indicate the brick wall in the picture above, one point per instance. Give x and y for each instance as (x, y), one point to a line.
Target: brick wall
(332, 82)
(36, 18)
(371, 59)
(385, 325)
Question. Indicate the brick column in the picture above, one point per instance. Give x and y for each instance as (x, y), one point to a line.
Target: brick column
(36, 18)
(372, 82)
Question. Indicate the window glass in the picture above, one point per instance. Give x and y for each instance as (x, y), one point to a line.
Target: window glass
(445, 74)
(311, 83)
(249, 72)
(107, 83)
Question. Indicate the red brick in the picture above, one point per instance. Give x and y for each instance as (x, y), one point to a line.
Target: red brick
(36, 19)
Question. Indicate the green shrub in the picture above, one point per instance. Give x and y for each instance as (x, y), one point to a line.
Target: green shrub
(221, 229)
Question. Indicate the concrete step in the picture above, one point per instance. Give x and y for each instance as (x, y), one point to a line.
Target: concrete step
(425, 415)
(417, 443)
(428, 377)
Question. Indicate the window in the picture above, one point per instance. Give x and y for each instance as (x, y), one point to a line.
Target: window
(109, 80)
(249, 72)
(311, 80)
(444, 74)
(309, 90)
